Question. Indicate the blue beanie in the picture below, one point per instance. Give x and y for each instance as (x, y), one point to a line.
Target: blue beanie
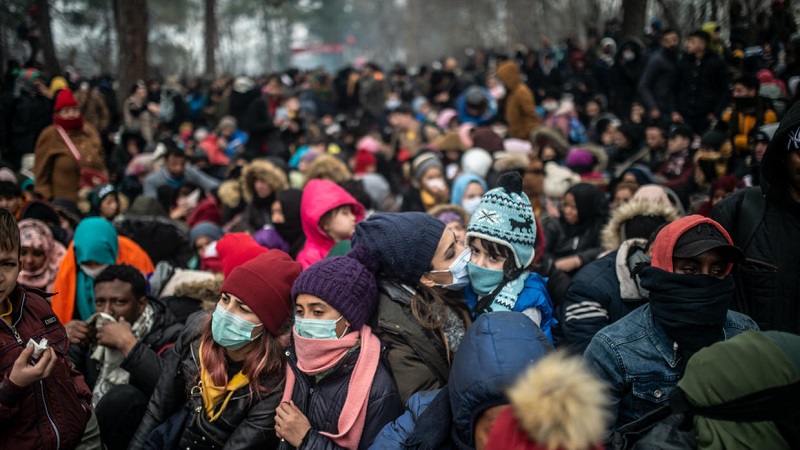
(505, 217)
(403, 243)
(207, 229)
(460, 186)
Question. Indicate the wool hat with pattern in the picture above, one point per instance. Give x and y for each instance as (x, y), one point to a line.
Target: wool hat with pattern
(264, 284)
(505, 217)
(346, 283)
(403, 243)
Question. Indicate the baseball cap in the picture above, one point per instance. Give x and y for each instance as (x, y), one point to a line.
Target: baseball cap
(702, 238)
(681, 130)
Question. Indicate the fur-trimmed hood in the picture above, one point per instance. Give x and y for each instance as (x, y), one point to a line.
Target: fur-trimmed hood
(265, 171)
(328, 167)
(230, 193)
(558, 403)
(599, 154)
(504, 162)
(550, 136)
(613, 234)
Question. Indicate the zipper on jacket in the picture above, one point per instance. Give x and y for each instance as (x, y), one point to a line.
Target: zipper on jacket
(13, 326)
(49, 418)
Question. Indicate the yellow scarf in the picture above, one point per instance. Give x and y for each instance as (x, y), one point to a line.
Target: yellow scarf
(212, 394)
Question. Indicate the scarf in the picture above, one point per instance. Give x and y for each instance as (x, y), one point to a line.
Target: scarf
(110, 359)
(315, 356)
(95, 240)
(68, 124)
(214, 395)
(675, 164)
(690, 308)
(506, 298)
(36, 235)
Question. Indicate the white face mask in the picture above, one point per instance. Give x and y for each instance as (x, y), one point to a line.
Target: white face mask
(550, 106)
(628, 55)
(435, 184)
(93, 273)
(471, 204)
(458, 271)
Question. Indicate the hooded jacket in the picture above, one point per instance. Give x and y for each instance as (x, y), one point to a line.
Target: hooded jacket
(319, 197)
(636, 358)
(496, 350)
(520, 110)
(765, 224)
(613, 234)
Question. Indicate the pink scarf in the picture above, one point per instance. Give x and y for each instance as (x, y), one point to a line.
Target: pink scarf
(315, 356)
(36, 234)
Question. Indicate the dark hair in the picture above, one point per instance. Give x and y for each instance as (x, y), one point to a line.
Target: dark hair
(510, 269)
(9, 189)
(669, 31)
(127, 274)
(331, 213)
(702, 35)
(748, 81)
(9, 231)
(431, 308)
(174, 151)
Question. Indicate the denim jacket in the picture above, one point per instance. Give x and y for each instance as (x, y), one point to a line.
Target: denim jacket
(640, 364)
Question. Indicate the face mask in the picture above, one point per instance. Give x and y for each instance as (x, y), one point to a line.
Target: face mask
(550, 106)
(393, 103)
(436, 184)
(230, 330)
(628, 55)
(484, 280)
(93, 273)
(471, 204)
(458, 271)
(317, 328)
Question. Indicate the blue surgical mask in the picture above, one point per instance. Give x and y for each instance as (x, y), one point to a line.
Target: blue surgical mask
(317, 328)
(230, 330)
(458, 270)
(484, 280)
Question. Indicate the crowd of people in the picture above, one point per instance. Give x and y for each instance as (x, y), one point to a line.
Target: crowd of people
(568, 248)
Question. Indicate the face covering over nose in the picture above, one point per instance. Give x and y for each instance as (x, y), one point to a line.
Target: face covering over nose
(458, 270)
(690, 308)
(317, 328)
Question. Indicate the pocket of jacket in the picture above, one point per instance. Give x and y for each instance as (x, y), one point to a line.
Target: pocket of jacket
(651, 394)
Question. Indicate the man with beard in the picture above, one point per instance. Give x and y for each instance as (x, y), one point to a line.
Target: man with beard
(765, 222)
(748, 114)
(643, 355)
(656, 86)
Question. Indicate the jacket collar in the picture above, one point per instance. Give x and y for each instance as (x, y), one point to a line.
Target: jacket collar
(662, 342)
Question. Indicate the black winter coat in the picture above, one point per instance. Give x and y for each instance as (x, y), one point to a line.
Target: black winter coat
(29, 116)
(143, 362)
(657, 83)
(702, 87)
(246, 423)
(262, 132)
(322, 401)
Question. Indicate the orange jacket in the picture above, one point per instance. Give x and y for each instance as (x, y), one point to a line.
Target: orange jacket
(63, 302)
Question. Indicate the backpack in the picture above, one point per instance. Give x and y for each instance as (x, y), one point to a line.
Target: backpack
(577, 132)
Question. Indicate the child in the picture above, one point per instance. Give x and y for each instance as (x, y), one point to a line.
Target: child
(339, 393)
(501, 236)
(104, 202)
(329, 215)
(44, 403)
(11, 198)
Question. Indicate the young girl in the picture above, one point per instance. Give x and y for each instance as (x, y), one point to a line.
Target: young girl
(104, 202)
(338, 392)
(501, 236)
(222, 380)
(329, 216)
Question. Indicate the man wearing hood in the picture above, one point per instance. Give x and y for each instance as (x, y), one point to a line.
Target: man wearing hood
(494, 352)
(765, 223)
(643, 355)
(520, 112)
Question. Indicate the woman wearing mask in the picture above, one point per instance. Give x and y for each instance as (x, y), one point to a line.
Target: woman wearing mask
(467, 191)
(338, 392)
(223, 378)
(95, 246)
(421, 311)
(40, 253)
(428, 186)
(573, 239)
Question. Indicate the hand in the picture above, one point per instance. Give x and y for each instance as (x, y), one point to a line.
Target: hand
(677, 117)
(291, 424)
(78, 331)
(568, 263)
(117, 335)
(24, 374)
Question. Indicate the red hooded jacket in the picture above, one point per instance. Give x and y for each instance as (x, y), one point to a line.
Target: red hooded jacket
(668, 237)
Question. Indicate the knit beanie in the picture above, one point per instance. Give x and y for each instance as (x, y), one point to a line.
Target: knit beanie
(477, 161)
(264, 284)
(423, 163)
(236, 249)
(364, 159)
(207, 229)
(346, 283)
(65, 99)
(97, 195)
(505, 217)
(403, 243)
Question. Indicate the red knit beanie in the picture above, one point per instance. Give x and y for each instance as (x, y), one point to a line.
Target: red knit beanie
(264, 284)
(364, 159)
(65, 99)
(235, 249)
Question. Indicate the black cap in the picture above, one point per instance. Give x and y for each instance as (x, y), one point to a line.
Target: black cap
(681, 130)
(702, 238)
(759, 136)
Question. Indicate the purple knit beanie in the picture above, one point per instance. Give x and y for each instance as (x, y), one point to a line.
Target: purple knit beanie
(347, 283)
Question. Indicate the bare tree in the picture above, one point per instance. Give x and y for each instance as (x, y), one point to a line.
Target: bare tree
(210, 36)
(633, 17)
(131, 20)
(46, 38)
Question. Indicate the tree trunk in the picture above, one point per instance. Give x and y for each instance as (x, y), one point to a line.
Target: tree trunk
(210, 38)
(131, 20)
(46, 39)
(633, 17)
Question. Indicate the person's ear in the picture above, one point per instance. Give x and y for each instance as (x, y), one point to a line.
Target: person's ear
(426, 280)
(142, 304)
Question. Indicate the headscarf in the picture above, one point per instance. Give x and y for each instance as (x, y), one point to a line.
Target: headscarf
(291, 230)
(37, 235)
(592, 208)
(95, 240)
(460, 186)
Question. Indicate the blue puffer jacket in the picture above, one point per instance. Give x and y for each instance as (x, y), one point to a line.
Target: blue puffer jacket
(496, 350)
